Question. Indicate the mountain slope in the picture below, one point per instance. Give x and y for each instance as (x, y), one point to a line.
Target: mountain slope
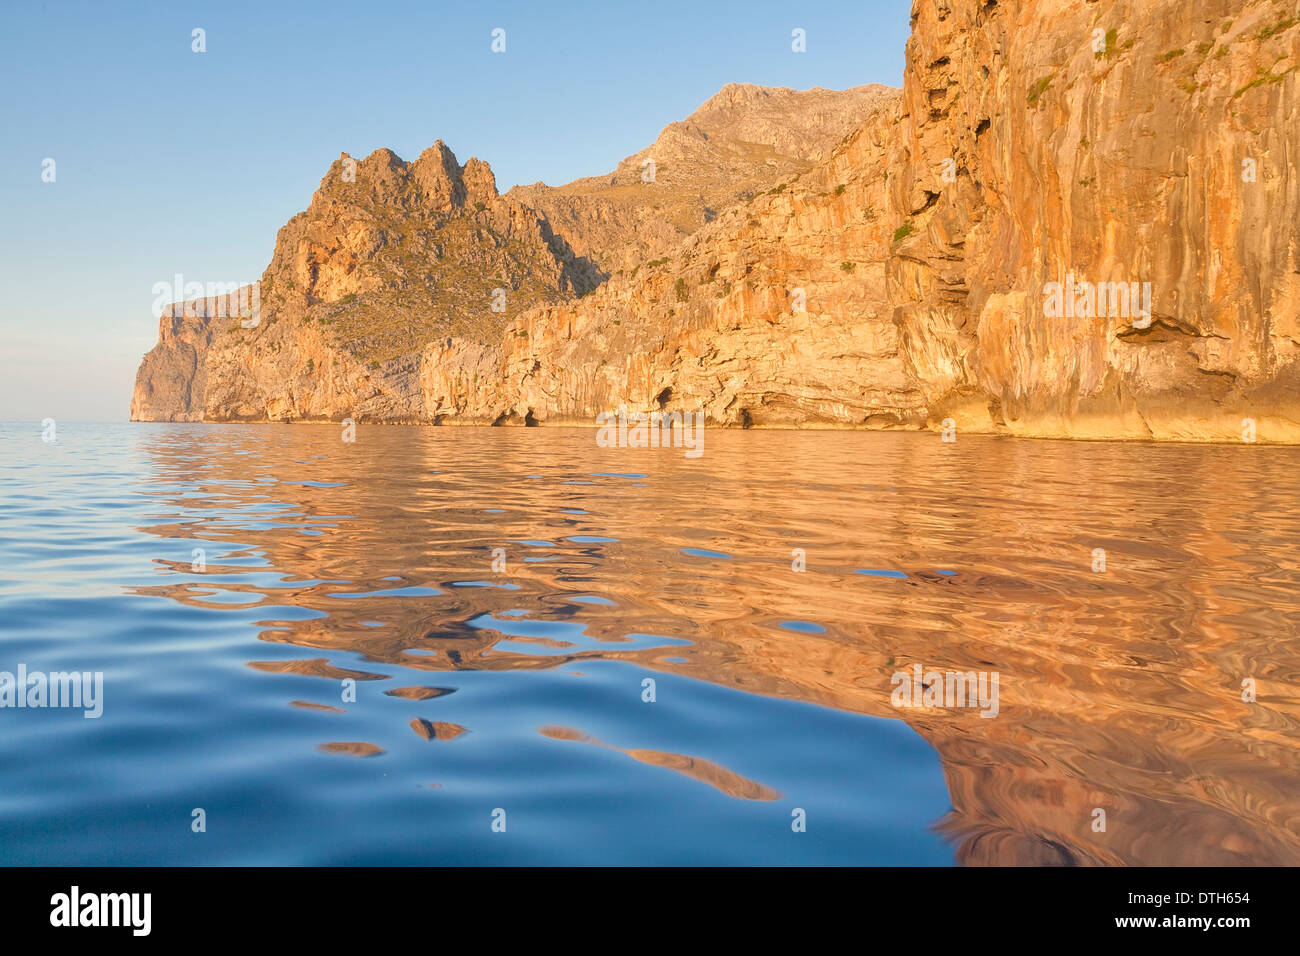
(742, 140)
(388, 256)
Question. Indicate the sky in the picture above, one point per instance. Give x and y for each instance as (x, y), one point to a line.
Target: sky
(168, 161)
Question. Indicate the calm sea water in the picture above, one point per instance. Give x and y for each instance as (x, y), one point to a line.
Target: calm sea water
(317, 644)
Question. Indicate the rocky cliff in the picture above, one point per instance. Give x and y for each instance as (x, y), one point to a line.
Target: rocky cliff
(1153, 141)
(388, 255)
(774, 314)
(1077, 219)
(391, 257)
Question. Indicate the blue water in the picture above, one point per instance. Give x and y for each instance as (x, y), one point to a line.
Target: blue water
(207, 674)
(314, 642)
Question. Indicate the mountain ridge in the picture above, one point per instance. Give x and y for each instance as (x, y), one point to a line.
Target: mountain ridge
(391, 254)
(897, 277)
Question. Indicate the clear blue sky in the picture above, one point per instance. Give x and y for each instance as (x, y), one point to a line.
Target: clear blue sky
(169, 161)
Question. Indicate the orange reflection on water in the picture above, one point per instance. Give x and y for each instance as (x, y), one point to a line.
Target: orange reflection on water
(1120, 690)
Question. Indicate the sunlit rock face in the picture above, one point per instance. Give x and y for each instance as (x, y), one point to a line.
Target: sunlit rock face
(393, 259)
(1112, 142)
(1075, 220)
(776, 314)
(388, 255)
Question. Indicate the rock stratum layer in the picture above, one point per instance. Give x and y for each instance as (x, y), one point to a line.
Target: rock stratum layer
(866, 258)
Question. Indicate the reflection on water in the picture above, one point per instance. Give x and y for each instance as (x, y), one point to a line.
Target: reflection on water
(729, 783)
(614, 647)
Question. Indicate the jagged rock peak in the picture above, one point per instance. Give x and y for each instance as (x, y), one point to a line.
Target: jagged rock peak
(442, 181)
(480, 183)
(439, 177)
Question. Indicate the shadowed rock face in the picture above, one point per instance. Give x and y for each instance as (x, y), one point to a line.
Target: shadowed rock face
(779, 272)
(170, 384)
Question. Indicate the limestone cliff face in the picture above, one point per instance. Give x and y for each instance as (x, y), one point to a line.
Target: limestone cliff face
(1148, 142)
(897, 274)
(173, 376)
